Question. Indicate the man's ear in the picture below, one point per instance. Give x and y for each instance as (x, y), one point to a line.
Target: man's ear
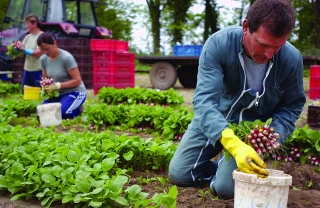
(245, 26)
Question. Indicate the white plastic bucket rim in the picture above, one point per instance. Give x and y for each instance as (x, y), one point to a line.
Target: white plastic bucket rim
(252, 191)
(48, 106)
(275, 178)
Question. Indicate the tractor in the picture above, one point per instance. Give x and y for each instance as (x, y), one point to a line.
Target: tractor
(66, 19)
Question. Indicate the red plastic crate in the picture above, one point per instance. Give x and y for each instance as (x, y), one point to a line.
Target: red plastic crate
(314, 82)
(115, 57)
(113, 79)
(97, 87)
(108, 45)
(114, 68)
(314, 71)
(314, 93)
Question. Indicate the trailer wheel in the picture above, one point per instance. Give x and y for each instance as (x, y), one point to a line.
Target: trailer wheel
(163, 75)
(188, 76)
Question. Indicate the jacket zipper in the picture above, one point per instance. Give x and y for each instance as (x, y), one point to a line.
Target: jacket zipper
(254, 102)
(264, 84)
(244, 86)
(257, 98)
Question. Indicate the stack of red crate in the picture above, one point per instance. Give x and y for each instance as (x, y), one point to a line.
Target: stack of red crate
(314, 90)
(113, 65)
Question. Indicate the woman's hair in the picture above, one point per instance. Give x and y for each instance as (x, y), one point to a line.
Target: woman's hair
(277, 16)
(33, 19)
(46, 37)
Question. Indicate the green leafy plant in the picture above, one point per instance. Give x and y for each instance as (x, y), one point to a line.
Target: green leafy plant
(137, 95)
(14, 49)
(7, 89)
(46, 94)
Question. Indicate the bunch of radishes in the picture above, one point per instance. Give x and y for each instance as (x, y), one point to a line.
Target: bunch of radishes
(263, 139)
(294, 154)
(46, 81)
(313, 160)
(15, 49)
(18, 45)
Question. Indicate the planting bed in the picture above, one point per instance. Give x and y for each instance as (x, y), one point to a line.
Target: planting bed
(305, 191)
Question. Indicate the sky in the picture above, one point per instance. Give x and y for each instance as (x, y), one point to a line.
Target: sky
(141, 38)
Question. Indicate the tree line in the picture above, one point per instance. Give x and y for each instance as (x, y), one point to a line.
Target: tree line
(175, 20)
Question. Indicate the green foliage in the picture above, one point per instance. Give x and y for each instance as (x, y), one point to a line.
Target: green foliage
(117, 16)
(177, 18)
(139, 95)
(20, 107)
(306, 139)
(82, 169)
(7, 89)
(142, 67)
(168, 121)
(14, 52)
(308, 41)
(4, 4)
(48, 95)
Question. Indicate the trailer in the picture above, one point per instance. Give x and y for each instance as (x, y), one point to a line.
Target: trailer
(166, 70)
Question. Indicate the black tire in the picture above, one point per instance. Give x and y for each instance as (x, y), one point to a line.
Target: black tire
(188, 76)
(163, 75)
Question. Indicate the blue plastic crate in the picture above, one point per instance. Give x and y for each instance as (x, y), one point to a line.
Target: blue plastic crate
(187, 50)
(6, 77)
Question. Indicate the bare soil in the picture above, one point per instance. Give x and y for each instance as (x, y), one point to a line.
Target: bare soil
(304, 192)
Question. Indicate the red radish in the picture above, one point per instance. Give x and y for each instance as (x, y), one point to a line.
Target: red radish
(298, 154)
(279, 157)
(263, 139)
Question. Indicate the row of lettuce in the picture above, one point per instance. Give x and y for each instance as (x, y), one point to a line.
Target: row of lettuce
(160, 113)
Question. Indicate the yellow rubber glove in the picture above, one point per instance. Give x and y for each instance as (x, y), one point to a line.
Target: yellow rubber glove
(53, 87)
(243, 154)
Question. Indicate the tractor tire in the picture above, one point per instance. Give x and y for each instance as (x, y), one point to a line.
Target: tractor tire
(163, 75)
(188, 76)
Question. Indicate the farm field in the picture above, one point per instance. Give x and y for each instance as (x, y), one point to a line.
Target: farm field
(305, 190)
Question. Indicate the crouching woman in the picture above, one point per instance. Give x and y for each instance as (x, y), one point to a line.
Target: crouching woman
(61, 66)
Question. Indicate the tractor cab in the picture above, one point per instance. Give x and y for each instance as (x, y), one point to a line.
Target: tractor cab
(66, 19)
(63, 18)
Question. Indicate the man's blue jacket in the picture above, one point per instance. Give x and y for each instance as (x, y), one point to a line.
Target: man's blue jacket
(221, 95)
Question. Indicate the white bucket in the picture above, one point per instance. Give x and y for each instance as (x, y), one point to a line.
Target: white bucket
(50, 114)
(252, 191)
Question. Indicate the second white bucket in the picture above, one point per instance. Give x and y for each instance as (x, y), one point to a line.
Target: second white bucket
(50, 114)
(252, 191)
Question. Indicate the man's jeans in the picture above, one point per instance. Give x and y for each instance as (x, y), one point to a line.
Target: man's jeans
(192, 164)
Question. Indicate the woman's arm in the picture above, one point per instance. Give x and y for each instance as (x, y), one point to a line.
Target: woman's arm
(75, 79)
(44, 73)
